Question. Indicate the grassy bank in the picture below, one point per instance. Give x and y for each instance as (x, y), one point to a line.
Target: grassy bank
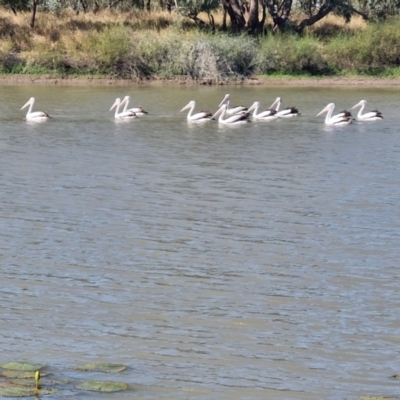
(165, 46)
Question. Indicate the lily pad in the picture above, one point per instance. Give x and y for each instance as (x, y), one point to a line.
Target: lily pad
(23, 382)
(12, 374)
(14, 391)
(21, 366)
(102, 386)
(98, 367)
(7, 389)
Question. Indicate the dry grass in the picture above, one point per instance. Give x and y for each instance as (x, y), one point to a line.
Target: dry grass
(161, 44)
(333, 25)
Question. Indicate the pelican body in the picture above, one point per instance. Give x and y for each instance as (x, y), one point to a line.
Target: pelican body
(139, 111)
(232, 119)
(36, 115)
(267, 115)
(373, 115)
(342, 118)
(123, 114)
(233, 110)
(201, 116)
(287, 112)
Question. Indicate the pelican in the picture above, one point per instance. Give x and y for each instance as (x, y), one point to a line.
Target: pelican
(287, 112)
(34, 116)
(233, 119)
(267, 115)
(343, 118)
(234, 110)
(139, 111)
(368, 116)
(124, 114)
(201, 116)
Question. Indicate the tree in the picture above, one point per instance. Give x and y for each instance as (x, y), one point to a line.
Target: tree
(16, 5)
(192, 8)
(312, 11)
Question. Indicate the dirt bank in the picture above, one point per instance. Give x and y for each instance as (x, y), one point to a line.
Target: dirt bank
(262, 81)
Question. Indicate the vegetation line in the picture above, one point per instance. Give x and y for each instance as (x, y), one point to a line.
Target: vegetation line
(138, 45)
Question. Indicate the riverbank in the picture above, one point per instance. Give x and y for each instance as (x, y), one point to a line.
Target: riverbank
(256, 81)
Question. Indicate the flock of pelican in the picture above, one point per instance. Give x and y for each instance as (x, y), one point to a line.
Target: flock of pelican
(227, 114)
(240, 114)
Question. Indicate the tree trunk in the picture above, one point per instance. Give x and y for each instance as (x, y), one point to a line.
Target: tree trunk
(84, 5)
(33, 12)
(280, 15)
(323, 11)
(235, 14)
(252, 22)
(224, 27)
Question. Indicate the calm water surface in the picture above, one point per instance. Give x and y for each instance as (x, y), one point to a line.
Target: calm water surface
(259, 261)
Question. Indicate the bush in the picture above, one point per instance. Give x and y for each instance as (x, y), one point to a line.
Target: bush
(290, 54)
(371, 51)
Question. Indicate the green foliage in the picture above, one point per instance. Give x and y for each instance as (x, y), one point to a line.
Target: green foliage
(15, 5)
(370, 51)
(192, 8)
(198, 56)
(290, 54)
(379, 9)
(84, 46)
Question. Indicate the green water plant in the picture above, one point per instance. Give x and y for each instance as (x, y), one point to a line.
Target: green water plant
(21, 366)
(9, 389)
(37, 379)
(102, 386)
(13, 374)
(99, 367)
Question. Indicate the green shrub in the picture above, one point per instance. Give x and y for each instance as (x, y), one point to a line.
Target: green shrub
(290, 54)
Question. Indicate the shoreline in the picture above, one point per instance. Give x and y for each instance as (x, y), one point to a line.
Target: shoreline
(253, 81)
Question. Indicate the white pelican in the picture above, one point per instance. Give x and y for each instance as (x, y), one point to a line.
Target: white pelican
(233, 119)
(201, 116)
(342, 118)
(34, 116)
(287, 112)
(124, 114)
(368, 116)
(233, 110)
(139, 111)
(267, 115)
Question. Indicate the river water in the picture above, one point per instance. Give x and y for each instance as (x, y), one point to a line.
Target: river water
(248, 262)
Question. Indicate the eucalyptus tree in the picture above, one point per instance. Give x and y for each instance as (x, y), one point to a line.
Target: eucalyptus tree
(250, 15)
(192, 8)
(15, 5)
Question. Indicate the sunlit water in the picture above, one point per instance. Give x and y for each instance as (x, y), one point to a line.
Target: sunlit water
(258, 261)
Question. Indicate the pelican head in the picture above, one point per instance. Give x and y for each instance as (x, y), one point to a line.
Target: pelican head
(254, 106)
(330, 106)
(225, 100)
(188, 105)
(360, 103)
(221, 109)
(117, 102)
(276, 104)
(28, 103)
